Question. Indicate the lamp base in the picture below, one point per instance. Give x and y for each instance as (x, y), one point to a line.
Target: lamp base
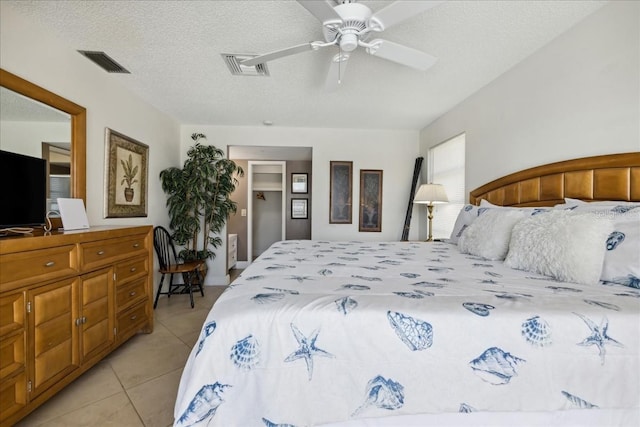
(430, 217)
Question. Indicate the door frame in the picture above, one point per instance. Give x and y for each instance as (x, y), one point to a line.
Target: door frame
(250, 190)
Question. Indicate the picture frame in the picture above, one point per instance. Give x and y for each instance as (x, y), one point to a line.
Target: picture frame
(370, 200)
(299, 183)
(299, 209)
(126, 176)
(340, 192)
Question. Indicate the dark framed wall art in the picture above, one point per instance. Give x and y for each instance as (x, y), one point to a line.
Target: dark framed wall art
(340, 192)
(370, 200)
(299, 209)
(126, 169)
(299, 183)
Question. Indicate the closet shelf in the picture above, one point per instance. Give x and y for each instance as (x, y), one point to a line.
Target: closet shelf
(267, 187)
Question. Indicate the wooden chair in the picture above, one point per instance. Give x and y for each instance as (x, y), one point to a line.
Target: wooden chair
(170, 264)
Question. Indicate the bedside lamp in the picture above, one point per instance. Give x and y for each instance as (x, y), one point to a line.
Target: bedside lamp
(429, 194)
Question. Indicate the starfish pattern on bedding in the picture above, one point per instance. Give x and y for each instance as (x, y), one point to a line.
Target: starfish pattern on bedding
(598, 335)
(307, 349)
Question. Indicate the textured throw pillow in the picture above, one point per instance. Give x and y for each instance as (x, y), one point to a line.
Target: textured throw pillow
(622, 256)
(489, 235)
(560, 244)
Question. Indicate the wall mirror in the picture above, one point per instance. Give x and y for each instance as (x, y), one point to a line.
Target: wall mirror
(47, 126)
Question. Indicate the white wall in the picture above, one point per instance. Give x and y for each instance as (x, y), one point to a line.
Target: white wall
(390, 150)
(29, 51)
(27, 137)
(578, 96)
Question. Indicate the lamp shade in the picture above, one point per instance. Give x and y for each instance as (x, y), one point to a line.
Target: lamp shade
(430, 194)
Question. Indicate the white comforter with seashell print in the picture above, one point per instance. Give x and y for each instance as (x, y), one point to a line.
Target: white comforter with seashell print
(321, 332)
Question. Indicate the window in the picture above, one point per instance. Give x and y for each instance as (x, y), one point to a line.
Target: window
(446, 167)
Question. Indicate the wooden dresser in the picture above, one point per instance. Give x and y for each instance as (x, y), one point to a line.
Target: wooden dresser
(66, 301)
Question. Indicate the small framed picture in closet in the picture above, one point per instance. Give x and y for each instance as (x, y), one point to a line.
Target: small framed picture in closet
(299, 183)
(299, 209)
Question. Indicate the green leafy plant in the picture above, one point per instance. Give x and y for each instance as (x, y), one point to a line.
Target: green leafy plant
(130, 172)
(199, 198)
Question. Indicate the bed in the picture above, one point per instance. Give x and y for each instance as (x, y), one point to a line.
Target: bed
(419, 333)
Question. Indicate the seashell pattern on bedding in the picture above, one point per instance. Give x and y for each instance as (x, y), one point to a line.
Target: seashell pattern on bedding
(245, 354)
(289, 344)
(496, 366)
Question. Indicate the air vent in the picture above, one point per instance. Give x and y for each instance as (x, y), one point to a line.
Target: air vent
(233, 62)
(104, 61)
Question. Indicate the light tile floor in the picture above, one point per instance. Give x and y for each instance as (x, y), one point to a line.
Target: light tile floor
(136, 385)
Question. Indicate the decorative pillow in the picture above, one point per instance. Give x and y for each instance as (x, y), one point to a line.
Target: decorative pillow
(570, 201)
(528, 211)
(489, 235)
(622, 256)
(614, 207)
(467, 215)
(560, 244)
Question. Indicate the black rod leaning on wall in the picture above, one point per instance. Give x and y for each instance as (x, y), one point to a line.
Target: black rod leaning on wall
(414, 183)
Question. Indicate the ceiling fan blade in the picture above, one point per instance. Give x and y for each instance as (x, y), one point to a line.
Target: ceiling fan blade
(398, 12)
(322, 9)
(401, 54)
(335, 76)
(261, 59)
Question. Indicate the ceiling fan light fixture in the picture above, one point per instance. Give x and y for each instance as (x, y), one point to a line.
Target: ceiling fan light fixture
(348, 42)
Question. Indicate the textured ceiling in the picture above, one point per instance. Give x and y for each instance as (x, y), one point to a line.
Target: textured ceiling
(172, 49)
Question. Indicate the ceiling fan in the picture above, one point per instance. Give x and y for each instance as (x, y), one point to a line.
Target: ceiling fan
(349, 25)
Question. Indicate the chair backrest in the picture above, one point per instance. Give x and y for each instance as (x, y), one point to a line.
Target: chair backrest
(163, 244)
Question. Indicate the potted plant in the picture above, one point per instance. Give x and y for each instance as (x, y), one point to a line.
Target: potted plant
(199, 198)
(130, 173)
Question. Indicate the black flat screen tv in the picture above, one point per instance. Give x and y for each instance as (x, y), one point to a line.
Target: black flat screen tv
(23, 198)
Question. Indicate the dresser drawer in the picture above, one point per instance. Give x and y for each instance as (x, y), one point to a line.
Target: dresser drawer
(98, 254)
(130, 320)
(131, 293)
(22, 268)
(129, 269)
(12, 315)
(12, 355)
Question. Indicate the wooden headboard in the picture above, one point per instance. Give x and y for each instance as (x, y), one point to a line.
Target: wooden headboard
(610, 177)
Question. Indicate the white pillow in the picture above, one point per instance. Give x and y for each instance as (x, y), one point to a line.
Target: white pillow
(560, 244)
(622, 257)
(615, 207)
(466, 216)
(489, 235)
(570, 201)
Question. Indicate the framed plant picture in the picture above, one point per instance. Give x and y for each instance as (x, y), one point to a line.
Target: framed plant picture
(299, 183)
(340, 191)
(370, 200)
(126, 170)
(299, 209)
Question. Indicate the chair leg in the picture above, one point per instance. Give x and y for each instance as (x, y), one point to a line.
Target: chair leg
(171, 285)
(190, 285)
(200, 282)
(155, 303)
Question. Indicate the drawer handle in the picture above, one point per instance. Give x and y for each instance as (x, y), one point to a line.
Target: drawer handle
(133, 269)
(132, 293)
(100, 252)
(136, 245)
(134, 317)
(50, 264)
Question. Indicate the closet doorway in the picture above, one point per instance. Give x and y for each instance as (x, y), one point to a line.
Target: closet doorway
(298, 161)
(266, 209)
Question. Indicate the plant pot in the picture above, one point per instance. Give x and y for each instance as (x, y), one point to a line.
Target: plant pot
(128, 194)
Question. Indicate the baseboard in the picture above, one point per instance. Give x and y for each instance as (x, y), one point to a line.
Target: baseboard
(241, 265)
(217, 280)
